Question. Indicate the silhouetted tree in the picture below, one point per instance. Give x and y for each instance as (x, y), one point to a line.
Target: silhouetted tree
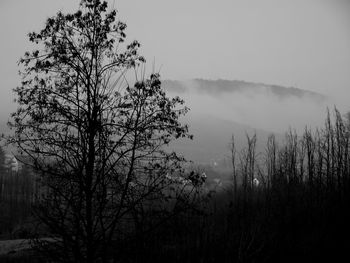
(2, 170)
(233, 160)
(97, 142)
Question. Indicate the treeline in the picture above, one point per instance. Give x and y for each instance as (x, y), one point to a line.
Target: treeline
(318, 159)
(297, 212)
(287, 204)
(19, 189)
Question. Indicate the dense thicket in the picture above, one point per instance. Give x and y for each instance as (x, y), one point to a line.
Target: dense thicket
(18, 191)
(298, 212)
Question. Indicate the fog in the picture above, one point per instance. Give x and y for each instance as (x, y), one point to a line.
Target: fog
(259, 108)
(305, 44)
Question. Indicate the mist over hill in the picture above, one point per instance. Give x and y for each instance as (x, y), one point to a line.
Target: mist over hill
(268, 107)
(222, 108)
(221, 86)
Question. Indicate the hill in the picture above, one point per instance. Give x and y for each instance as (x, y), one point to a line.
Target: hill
(261, 106)
(220, 86)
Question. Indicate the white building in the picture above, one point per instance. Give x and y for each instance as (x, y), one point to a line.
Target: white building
(11, 164)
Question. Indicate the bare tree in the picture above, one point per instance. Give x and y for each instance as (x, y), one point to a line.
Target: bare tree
(271, 165)
(97, 142)
(233, 160)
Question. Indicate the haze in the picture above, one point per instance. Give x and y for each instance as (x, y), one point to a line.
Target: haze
(258, 108)
(305, 44)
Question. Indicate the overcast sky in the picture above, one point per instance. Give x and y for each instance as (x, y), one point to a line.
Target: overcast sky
(301, 43)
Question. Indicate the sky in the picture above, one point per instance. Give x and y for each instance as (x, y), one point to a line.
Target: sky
(300, 43)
